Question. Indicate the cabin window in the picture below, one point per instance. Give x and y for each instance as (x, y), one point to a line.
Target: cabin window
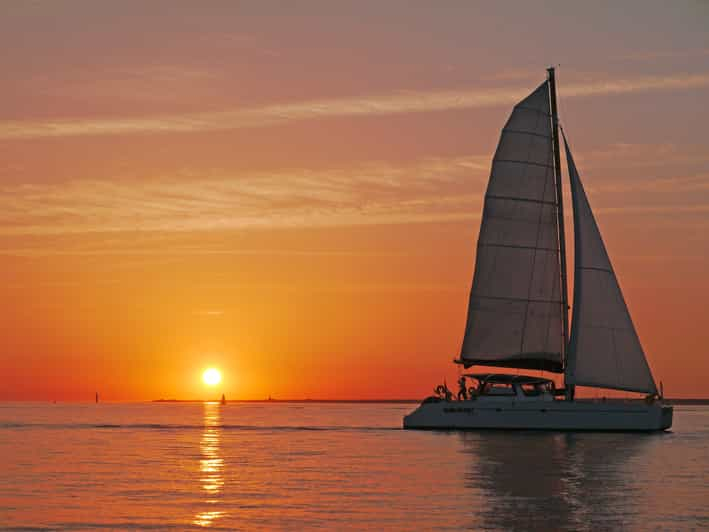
(531, 389)
(498, 389)
(538, 388)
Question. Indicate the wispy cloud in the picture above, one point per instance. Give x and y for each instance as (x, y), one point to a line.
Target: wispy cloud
(374, 105)
(635, 155)
(664, 54)
(432, 189)
(153, 83)
(671, 209)
(128, 213)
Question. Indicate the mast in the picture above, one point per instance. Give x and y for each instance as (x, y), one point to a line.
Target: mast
(559, 210)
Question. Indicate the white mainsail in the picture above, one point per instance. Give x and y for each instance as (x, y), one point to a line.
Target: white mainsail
(515, 309)
(604, 349)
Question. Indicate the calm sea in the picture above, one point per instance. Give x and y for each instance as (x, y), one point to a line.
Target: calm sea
(336, 466)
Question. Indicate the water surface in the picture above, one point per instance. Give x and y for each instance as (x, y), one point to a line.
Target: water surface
(336, 466)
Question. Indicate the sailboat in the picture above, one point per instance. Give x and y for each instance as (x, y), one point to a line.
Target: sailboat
(518, 309)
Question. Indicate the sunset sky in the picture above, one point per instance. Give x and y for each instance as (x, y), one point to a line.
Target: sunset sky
(291, 191)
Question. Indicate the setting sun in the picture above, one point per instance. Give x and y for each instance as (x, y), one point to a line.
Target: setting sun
(212, 377)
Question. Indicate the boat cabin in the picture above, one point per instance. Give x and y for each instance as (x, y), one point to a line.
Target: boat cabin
(498, 386)
(519, 386)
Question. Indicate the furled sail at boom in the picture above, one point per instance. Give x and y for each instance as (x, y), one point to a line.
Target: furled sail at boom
(515, 309)
(604, 349)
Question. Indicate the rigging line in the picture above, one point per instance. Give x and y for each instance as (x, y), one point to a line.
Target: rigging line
(560, 103)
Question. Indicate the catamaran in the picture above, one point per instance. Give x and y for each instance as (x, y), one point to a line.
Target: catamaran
(518, 309)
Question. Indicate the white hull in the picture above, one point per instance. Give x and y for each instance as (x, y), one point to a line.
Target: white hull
(498, 413)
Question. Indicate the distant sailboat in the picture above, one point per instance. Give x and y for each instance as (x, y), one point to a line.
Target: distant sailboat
(223, 401)
(96, 397)
(518, 310)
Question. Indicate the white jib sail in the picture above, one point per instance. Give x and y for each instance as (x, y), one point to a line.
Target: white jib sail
(604, 350)
(515, 309)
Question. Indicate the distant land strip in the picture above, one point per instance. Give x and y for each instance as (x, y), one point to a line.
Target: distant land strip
(366, 401)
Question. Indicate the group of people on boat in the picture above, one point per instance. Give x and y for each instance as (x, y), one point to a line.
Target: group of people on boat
(498, 385)
(464, 393)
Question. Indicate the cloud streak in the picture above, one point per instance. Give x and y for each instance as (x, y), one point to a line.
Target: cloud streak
(432, 189)
(374, 105)
(664, 54)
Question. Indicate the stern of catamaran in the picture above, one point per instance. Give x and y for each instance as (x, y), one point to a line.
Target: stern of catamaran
(667, 415)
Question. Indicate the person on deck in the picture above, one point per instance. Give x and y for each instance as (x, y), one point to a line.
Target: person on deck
(463, 390)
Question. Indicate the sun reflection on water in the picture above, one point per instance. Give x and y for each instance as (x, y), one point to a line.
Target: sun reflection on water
(211, 464)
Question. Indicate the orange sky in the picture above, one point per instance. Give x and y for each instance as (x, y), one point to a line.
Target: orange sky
(293, 194)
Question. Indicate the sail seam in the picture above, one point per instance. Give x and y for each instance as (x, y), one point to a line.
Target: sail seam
(519, 299)
(552, 250)
(534, 109)
(514, 198)
(496, 160)
(606, 270)
(519, 132)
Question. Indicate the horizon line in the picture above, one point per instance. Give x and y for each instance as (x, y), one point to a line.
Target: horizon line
(679, 400)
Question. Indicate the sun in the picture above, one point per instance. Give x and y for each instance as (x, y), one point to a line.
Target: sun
(211, 377)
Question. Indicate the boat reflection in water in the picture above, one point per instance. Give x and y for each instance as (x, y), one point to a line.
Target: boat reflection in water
(553, 481)
(211, 465)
